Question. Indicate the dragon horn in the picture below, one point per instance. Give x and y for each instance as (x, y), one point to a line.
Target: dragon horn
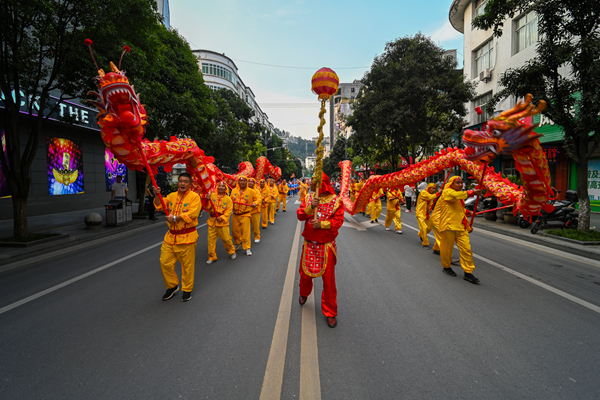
(126, 49)
(520, 106)
(531, 110)
(89, 43)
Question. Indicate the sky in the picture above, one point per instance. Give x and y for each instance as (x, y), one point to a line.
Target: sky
(296, 38)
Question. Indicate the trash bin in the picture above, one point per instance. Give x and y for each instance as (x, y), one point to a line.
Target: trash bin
(115, 211)
(128, 204)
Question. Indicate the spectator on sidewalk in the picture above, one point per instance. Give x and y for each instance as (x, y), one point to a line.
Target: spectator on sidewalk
(151, 208)
(409, 193)
(119, 188)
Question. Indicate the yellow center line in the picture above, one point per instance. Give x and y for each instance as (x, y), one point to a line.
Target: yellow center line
(310, 383)
(273, 380)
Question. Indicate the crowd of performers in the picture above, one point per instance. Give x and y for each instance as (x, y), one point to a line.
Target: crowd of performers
(252, 205)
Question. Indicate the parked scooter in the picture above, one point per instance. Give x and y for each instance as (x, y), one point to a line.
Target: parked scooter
(563, 216)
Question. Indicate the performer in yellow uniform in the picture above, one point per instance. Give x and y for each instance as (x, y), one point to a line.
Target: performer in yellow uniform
(375, 205)
(265, 194)
(303, 190)
(454, 227)
(272, 198)
(244, 201)
(359, 186)
(256, 212)
(220, 207)
(283, 191)
(180, 241)
(394, 197)
(423, 211)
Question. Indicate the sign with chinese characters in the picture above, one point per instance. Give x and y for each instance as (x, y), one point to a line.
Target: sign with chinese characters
(594, 181)
(551, 153)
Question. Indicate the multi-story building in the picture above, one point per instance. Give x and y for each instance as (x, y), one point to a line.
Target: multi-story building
(341, 108)
(163, 9)
(220, 72)
(485, 59)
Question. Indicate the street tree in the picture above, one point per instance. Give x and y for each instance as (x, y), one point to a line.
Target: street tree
(411, 91)
(565, 72)
(42, 53)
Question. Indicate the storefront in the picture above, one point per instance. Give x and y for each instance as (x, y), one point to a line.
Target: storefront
(72, 169)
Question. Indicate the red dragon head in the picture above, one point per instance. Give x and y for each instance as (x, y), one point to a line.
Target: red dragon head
(118, 104)
(503, 134)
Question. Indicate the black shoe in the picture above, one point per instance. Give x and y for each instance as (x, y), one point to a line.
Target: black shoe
(283, 210)
(187, 296)
(436, 252)
(170, 292)
(372, 222)
(469, 277)
(449, 271)
(376, 220)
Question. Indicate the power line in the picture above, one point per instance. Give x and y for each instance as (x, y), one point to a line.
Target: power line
(292, 67)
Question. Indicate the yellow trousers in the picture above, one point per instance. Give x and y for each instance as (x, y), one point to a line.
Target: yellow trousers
(186, 254)
(240, 230)
(222, 232)
(272, 212)
(438, 237)
(265, 215)
(368, 209)
(281, 198)
(375, 211)
(393, 215)
(461, 238)
(256, 225)
(425, 226)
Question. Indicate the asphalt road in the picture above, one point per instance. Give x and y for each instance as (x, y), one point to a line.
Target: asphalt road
(405, 330)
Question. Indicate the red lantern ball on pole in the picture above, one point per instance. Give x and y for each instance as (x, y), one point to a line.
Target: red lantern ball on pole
(325, 83)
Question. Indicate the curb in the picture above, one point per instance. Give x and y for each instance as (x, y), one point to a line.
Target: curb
(541, 240)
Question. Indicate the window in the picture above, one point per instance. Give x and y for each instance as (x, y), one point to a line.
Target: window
(481, 102)
(479, 7)
(351, 90)
(484, 57)
(508, 167)
(213, 69)
(526, 31)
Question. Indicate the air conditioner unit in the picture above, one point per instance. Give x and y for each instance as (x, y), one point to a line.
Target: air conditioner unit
(485, 75)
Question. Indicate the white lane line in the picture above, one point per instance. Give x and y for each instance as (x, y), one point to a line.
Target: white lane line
(78, 278)
(273, 380)
(531, 280)
(310, 382)
(353, 223)
(543, 248)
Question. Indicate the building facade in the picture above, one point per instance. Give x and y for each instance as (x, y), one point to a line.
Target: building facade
(220, 72)
(486, 58)
(340, 108)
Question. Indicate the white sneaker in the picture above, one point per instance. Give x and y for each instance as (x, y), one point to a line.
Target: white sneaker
(256, 240)
(233, 256)
(398, 231)
(387, 229)
(209, 261)
(248, 252)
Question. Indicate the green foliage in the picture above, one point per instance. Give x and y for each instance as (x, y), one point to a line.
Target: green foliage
(413, 95)
(565, 73)
(331, 162)
(589, 236)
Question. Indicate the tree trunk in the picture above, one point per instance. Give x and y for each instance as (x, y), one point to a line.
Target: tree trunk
(582, 193)
(20, 225)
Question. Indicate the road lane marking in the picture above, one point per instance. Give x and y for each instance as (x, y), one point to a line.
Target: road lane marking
(352, 223)
(273, 379)
(80, 277)
(310, 382)
(530, 280)
(77, 278)
(543, 248)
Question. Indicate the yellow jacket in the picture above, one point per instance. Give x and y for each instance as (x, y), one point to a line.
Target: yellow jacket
(248, 196)
(273, 193)
(449, 211)
(394, 196)
(259, 198)
(283, 189)
(224, 207)
(186, 209)
(376, 197)
(425, 202)
(303, 190)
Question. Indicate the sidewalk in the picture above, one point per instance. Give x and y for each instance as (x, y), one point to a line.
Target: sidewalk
(72, 227)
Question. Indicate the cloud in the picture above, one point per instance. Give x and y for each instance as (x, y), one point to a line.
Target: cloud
(445, 33)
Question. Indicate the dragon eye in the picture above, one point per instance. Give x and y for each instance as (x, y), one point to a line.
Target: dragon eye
(496, 132)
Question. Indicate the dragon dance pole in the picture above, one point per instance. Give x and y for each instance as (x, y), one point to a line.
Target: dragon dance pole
(477, 200)
(162, 201)
(324, 84)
